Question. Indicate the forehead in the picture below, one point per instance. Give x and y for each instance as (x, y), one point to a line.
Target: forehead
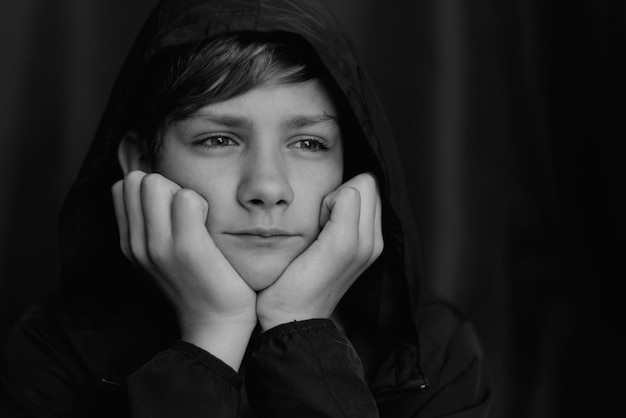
(298, 103)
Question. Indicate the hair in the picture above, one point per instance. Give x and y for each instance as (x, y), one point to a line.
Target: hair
(179, 80)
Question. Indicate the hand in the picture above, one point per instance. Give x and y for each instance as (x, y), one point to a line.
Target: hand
(162, 231)
(350, 241)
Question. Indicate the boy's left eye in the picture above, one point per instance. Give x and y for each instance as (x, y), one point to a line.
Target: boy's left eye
(216, 141)
(310, 144)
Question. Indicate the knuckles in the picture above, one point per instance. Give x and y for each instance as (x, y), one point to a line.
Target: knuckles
(157, 250)
(365, 183)
(152, 181)
(187, 199)
(348, 196)
(362, 250)
(134, 177)
(156, 186)
(349, 192)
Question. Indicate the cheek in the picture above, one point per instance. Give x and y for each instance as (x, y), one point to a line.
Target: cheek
(310, 191)
(215, 184)
(220, 193)
(328, 178)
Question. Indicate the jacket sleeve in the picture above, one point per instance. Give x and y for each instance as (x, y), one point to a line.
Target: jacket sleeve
(184, 381)
(308, 369)
(43, 376)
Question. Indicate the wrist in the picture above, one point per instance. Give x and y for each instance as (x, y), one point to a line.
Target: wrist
(226, 340)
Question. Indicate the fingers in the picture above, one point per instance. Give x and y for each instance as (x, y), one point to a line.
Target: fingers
(189, 210)
(134, 215)
(370, 240)
(163, 232)
(352, 235)
(142, 204)
(154, 213)
(128, 212)
(370, 229)
(368, 189)
(156, 198)
(120, 215)
(343, 208)
(378, 230)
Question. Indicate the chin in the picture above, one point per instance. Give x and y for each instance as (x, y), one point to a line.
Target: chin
(259, 274)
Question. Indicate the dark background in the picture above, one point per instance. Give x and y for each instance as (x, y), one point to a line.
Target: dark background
(510, 116)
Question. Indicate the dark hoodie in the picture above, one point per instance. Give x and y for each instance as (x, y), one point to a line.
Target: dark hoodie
(107, 344)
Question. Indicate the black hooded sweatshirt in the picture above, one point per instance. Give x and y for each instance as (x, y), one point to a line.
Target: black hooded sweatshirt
(107, 343)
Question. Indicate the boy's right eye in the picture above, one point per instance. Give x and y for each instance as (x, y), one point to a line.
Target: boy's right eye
(217, 141)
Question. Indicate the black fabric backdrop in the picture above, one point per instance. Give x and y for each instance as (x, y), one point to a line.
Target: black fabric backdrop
(511, 120)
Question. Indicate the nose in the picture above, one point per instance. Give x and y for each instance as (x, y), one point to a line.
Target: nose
(264, 183)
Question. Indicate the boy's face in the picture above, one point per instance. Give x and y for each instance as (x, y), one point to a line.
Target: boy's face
(263, 161)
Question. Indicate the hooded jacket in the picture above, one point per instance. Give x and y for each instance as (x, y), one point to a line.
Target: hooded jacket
(107, 342)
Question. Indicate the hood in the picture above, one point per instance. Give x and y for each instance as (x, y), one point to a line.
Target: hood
(95, 282)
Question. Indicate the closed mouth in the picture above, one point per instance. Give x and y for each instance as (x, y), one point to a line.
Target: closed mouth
(263, 233)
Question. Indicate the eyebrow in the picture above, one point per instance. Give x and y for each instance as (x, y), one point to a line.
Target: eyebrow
(296, 121)
(225, 120)
(302, 121)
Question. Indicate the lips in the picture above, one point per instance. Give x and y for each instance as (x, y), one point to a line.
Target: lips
(262, 237)
(256, 238)
(263, 233)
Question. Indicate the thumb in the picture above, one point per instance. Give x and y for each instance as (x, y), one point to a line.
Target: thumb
(189, 210)
(327, 204)
(341, 209)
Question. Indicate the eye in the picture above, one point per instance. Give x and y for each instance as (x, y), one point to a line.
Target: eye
(217, 141)
(310, 144)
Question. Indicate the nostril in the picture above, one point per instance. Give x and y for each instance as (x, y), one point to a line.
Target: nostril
(261, 202)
